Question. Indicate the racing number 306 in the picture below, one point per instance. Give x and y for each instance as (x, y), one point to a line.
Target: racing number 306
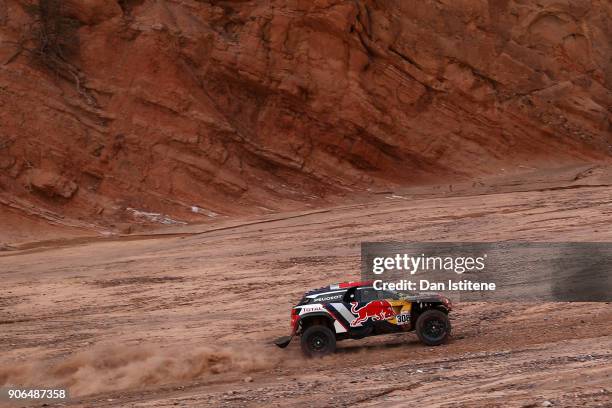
(403, 318)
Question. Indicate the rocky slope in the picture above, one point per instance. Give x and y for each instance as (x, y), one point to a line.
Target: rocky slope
(185, 320)
(165, 110)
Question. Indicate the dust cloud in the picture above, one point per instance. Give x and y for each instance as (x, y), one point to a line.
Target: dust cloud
(116, 367)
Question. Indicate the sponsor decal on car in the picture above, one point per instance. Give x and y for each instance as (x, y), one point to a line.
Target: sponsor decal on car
(313, 308)
(375, 310)
(329, 298)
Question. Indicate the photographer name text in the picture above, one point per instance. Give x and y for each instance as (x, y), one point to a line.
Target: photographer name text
(424, 284)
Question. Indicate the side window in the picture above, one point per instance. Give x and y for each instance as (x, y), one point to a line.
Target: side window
(386, 295)
(366, 294)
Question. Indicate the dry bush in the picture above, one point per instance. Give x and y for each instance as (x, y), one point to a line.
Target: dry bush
(56, 33)
(52, 40)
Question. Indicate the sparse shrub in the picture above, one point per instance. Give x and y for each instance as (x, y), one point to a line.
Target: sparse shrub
(52, 40)
(53, 33)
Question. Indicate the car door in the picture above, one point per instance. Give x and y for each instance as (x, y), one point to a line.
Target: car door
(367, 308)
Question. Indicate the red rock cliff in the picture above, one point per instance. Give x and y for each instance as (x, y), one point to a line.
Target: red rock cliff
(235, 106)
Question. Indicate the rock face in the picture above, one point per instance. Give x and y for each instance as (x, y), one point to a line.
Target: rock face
(91, 12)
(243, 106)
(50, 184)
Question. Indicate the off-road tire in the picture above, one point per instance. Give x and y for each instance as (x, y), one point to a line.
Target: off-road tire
(318, 341)
(433, 327)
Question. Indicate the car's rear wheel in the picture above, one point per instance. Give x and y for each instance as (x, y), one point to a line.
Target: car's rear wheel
(318, 341)
(433, 327)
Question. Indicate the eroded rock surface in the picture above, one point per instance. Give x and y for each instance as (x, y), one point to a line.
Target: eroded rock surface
(50, 184)
(248, 106)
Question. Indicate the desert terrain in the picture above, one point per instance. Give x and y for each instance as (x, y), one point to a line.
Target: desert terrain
(185, 316)
(174, 174)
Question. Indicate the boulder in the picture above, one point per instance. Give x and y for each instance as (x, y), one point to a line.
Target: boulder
(51, 184)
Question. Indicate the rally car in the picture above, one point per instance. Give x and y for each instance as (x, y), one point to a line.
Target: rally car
(355, 310)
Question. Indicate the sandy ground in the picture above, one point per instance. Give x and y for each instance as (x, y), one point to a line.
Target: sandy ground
(186, 317)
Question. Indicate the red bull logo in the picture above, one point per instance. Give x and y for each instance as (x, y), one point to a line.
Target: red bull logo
(375, 310)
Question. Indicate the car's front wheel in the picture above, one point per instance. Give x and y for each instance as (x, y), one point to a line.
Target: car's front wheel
(318, 341)
(433, 327)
